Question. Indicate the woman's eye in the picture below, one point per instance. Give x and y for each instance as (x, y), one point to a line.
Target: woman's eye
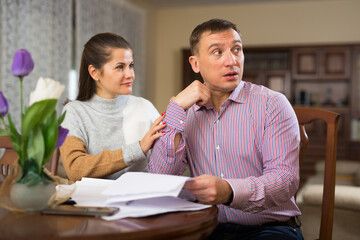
(132, 65)
(121, 67)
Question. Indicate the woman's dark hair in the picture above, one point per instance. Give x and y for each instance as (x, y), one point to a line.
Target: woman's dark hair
(214, 26)
(97, 52)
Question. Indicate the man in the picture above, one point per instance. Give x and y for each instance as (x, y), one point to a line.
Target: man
(240, 140)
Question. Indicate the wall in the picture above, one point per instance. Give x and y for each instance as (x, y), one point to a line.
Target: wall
(276, 23)
(151, 33)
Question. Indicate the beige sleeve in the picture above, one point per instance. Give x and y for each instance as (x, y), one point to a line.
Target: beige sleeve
(78, 163)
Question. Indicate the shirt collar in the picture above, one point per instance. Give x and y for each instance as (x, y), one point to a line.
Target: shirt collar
(238, 95)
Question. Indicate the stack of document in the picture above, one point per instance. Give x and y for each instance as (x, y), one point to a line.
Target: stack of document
(137, 194)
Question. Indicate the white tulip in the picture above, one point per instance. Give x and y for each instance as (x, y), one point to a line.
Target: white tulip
(46, 88)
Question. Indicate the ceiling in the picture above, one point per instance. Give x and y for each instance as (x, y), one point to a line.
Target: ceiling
(183, 3)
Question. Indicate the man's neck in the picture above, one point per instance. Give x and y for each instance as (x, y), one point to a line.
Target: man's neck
(218, 98)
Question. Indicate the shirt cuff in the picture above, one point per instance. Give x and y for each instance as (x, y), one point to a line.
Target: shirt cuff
(133, 153)
(175, 116)
(242, 192)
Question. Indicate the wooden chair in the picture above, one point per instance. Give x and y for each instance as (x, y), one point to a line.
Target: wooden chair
(305, 116)
(10, 156)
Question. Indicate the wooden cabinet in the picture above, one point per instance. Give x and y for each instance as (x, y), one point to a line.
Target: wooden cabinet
(355, 105)
(321, 63)
(321, 77)
(305, 63)
(188, 74)
(278, 80)
(355, 87)
(336, 63)
(269, 67)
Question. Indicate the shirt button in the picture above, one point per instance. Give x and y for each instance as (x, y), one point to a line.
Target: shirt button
(218, 147)
(222, 175)
(217, 121)
(181, 122)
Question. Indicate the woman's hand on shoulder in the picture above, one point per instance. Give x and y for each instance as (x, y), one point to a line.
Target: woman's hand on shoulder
(153, 134)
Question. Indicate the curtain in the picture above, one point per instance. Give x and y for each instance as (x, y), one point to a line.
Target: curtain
(44, 28)
(54, 32)
(120, 17)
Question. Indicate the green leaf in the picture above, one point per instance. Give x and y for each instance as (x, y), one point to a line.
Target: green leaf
(13, 128)
(50, 131)
(31, 176)
(4, 132)
(15, 138)
(61, 118)
(36, 147)
(36, 114)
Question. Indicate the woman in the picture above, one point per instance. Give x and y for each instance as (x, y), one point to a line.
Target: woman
(111, 131)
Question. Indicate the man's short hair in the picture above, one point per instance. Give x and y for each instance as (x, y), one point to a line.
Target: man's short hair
(214, 26)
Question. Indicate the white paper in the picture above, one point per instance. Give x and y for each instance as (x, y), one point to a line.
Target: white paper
(153, 206)
(136, 194)
(140, 185)
(88, 191)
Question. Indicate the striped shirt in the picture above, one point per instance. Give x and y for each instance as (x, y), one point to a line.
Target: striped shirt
(252, 143)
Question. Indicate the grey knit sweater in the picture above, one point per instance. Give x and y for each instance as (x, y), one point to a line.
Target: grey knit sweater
(111, 124)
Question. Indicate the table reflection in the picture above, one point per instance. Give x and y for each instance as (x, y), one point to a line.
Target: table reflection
(16, 225)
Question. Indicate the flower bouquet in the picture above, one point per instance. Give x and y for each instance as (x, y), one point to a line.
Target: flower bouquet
(40, 134)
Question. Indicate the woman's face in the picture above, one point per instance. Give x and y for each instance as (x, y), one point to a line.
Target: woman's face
(117, 75)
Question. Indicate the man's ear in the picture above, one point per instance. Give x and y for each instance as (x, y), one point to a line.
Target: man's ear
(194, 64)
(94, 73)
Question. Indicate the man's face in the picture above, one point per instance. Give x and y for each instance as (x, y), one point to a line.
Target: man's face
(220, 60)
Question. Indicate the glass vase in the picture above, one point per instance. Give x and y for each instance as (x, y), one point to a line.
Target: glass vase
(32, 198)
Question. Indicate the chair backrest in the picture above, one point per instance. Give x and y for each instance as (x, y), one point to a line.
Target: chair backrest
(305, 116)
(9, 158)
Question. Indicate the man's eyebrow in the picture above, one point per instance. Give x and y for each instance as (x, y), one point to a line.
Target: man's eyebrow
(214, 45)
(219, 44)
(237, 41)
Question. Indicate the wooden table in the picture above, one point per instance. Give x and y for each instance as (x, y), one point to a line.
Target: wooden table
(178, 225)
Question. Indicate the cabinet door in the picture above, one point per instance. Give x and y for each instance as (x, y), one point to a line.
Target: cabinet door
(278, 81)
(256, 77)
(335, 63)
(321, 63)
(305, 63)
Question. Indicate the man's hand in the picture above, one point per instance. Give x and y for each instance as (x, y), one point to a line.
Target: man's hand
(209, 189)
(196, 92)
